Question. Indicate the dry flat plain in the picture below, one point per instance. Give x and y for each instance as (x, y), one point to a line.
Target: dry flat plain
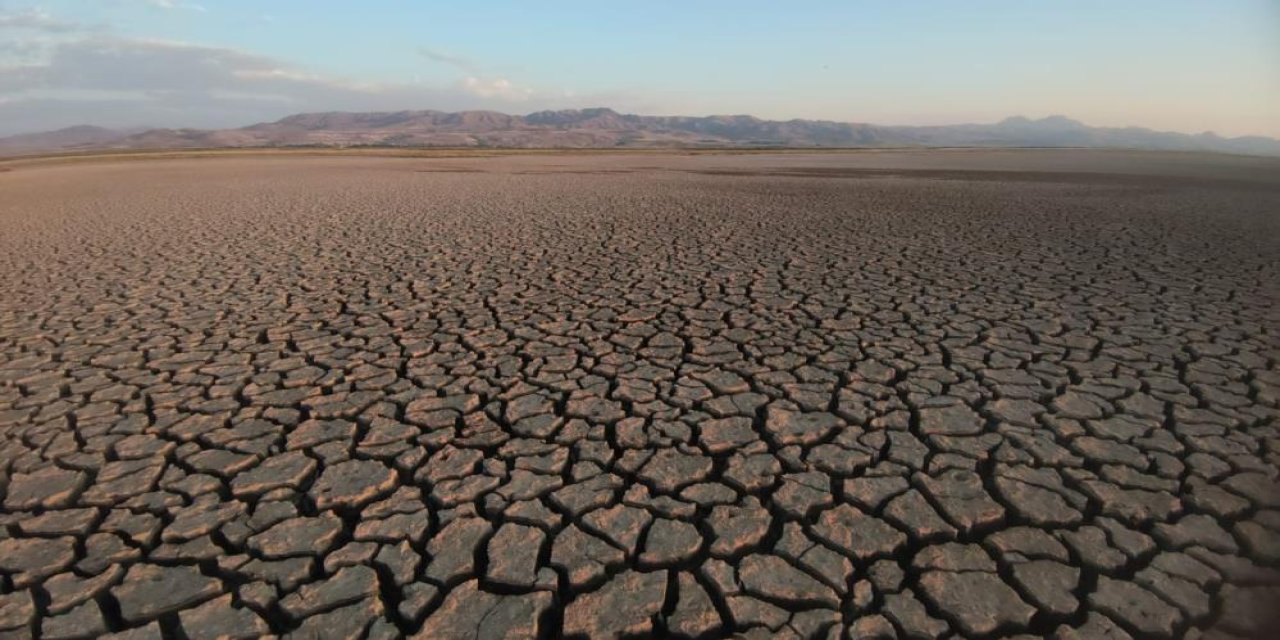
(858, 395)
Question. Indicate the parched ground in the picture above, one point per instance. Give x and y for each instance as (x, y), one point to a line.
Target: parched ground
(872, 395)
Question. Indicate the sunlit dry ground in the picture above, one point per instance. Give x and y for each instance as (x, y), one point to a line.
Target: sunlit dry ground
(913, 394)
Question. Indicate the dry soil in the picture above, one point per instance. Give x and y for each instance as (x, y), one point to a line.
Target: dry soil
(879, 394)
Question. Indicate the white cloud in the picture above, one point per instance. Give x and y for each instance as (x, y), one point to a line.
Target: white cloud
(496, 88)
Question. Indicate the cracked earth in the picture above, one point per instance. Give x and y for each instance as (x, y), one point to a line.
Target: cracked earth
(767, 396)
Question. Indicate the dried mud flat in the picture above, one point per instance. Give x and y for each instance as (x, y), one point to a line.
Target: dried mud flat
(918, 395)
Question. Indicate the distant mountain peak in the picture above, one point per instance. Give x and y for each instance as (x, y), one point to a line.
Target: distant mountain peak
(1054, 121)
(1061, 120)
(84, 128)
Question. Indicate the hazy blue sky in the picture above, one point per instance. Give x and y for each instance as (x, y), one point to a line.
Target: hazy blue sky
(1184, 65)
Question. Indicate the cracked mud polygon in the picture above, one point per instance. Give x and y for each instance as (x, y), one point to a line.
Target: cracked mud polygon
(941, 394)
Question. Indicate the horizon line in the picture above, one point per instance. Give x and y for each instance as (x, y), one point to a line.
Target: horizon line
(1062, 116)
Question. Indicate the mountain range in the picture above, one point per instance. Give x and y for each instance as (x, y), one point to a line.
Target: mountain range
(606, 128)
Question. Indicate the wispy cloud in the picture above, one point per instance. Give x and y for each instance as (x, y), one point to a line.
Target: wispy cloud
(128, 64)
(125, 82)
(174, 5)
(476, 82)
(36, 20)
(455, 61)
